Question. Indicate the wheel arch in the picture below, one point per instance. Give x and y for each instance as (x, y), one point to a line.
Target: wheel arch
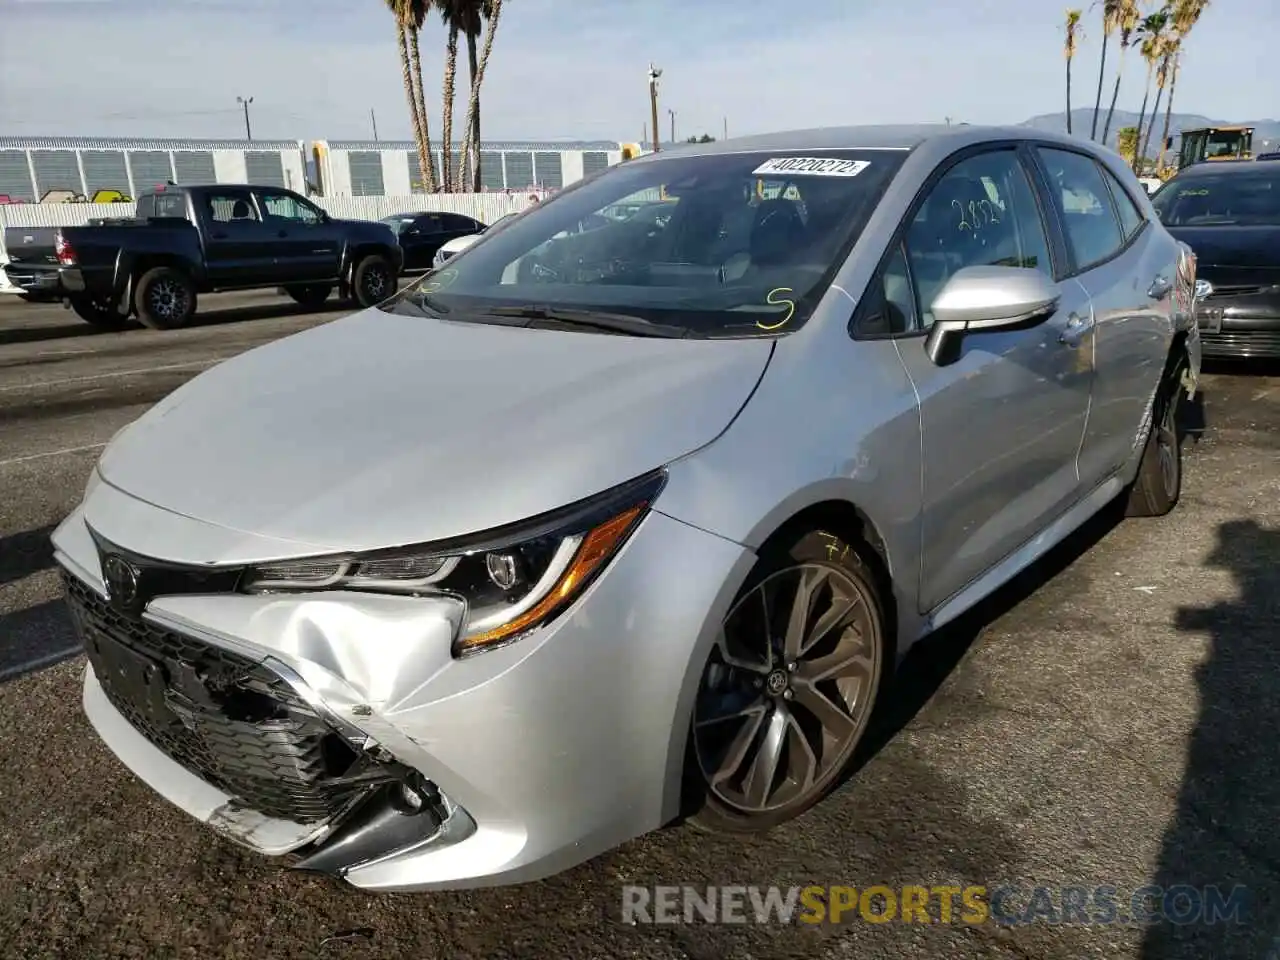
(836, 514)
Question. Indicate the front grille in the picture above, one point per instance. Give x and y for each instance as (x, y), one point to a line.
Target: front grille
(1251, 343)
(226, 718)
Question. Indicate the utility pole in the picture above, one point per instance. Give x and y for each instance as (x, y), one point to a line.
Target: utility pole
(673, 124)
(644, 133)
(726, 129)
(248, 131)
(654, 74)
(373, 118)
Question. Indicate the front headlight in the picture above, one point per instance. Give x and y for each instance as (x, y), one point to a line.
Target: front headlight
(510, 580)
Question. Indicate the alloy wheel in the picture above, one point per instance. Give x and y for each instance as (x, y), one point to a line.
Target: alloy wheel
(168, 299)
(375, 283)
(788, 688)
(1167, 446)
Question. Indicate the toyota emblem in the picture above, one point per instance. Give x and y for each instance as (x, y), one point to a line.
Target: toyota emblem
(121, 581)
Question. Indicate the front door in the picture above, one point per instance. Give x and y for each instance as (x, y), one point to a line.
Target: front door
(306, 246)
(1001, 426)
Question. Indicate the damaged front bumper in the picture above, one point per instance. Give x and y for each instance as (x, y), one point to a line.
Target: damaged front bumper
(339, 731)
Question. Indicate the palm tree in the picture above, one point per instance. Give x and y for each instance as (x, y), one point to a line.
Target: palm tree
(1069, 50)
(404, 13)
(1127, 143)
(417, 14)
(453, 13)
(1130, 19)
(1168, 50)
(475, 13)
(1110, 22)
(491, 10)
(1186, 14)
(1151, 31)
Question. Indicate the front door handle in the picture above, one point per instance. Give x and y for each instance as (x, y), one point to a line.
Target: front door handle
(1078, 327)
(1159, 288)
(219, 236)
(282, 234)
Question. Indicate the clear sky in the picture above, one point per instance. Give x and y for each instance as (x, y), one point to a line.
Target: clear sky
(576, 68)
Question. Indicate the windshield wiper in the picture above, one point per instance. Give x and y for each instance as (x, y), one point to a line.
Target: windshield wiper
(594, 319)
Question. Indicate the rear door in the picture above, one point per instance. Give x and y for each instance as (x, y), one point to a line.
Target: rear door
(1001, 426)
(237, 250)
(1129, 269)
(421, 240)
(306, 246)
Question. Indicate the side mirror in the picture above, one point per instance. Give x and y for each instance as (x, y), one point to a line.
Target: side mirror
(979, 299)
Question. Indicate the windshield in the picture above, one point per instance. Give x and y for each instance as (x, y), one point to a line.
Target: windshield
(722, 245)
(1220, 200)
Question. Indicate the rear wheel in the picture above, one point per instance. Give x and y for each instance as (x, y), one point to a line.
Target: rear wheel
(789, 687)
(373, 281)
(310, 295)
(1158, 485)
(97, 312)
(165, 298)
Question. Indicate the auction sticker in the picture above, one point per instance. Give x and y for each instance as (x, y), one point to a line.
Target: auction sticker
(812, 166)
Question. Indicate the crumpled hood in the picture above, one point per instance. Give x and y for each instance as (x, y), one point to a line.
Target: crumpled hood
(381, 430)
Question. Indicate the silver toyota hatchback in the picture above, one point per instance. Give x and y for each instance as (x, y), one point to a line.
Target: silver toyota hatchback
(626, 515)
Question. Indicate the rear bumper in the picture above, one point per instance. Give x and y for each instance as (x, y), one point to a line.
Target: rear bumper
(1241, 327)
(38, 278)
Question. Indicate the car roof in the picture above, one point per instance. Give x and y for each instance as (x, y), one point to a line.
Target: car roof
(1212, 167)
(902, 137)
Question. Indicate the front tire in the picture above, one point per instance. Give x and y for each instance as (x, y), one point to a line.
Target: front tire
(97, 312)
(373, 280)
(165, 299)
(1158, 486)
(789, 688)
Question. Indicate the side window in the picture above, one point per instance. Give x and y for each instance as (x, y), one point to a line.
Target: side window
(428, 224)
(171, 205)
(231, 206)
(982, 212)
(1089, 219)
(889, 306)
(1131, 218)
(285, 206)
(456, 223)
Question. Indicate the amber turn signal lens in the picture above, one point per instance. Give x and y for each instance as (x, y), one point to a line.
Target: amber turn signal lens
(597, 547)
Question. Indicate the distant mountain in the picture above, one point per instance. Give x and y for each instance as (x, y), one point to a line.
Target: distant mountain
(1082, 118)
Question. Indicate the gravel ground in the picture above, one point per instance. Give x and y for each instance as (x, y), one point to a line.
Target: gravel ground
(1106, 721)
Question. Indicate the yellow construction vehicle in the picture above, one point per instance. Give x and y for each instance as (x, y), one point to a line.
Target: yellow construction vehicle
(1215, 143)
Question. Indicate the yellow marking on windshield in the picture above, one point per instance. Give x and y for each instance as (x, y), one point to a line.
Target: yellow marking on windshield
(440, 281)
(779, 302)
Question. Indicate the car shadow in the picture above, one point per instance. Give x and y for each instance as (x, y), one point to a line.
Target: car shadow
(36, 638)
(62, 331)
(266, 311)
(23, 554)
(1221, 846)
(204, 318)
(932, 659)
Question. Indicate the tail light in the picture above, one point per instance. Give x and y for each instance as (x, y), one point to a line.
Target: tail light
(63, 251)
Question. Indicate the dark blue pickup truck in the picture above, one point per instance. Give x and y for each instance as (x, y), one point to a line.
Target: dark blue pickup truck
(189, 240)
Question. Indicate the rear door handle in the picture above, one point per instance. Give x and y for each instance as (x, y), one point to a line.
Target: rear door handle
(219, 236)
(1078, 327)
(282, 234)
(1159, 288)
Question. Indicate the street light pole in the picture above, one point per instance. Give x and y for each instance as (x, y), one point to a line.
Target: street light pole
(673, 124)
(654, 74)
(248, 131)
